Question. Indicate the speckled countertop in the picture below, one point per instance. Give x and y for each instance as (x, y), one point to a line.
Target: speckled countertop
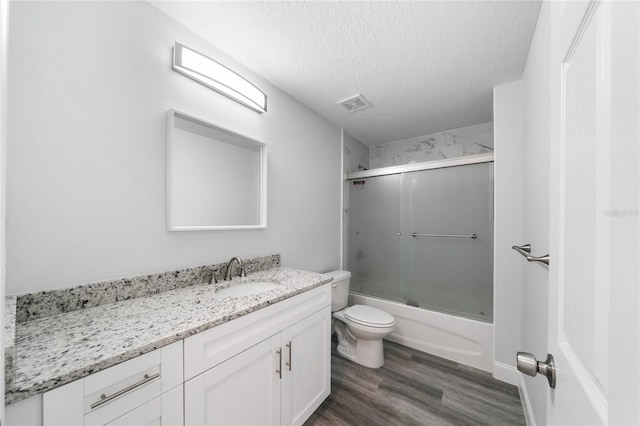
(56, 350)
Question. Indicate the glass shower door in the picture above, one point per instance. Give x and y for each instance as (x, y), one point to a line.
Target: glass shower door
(452, 274)
(374, 242)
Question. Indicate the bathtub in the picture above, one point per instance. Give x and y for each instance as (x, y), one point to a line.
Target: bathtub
(455, 338)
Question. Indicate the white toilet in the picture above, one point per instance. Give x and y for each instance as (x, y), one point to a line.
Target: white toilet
(360, 329)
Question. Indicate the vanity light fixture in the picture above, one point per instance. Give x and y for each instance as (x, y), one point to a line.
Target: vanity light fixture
(218, 77)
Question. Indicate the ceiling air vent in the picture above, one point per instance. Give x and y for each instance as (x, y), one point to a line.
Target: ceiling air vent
(355, 103)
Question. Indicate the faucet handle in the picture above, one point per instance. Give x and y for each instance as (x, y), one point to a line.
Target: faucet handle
(213, 279)
(243, 273)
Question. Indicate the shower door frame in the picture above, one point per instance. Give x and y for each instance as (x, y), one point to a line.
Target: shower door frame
(416, 167)
(426, 165)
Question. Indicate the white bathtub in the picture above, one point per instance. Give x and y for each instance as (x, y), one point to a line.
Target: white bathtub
(458, 339)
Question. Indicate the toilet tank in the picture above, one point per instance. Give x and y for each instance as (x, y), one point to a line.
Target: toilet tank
(339, 289)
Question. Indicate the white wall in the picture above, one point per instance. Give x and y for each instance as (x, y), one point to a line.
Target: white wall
(523, 107)
(536, 82)
(507, 264)
(90, 84)
(4, 33)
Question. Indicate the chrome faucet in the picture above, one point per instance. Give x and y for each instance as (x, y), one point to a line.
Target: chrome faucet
(227, 276)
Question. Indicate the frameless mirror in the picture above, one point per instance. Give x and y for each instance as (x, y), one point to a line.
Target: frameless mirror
(216, 178)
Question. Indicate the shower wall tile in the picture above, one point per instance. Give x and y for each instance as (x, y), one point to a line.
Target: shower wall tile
(471, 140)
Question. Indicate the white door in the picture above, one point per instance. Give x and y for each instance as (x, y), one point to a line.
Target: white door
(594, 329)
(307, 366)
(244, 390)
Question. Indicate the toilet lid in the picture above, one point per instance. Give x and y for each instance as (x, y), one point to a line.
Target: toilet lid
(366, 315)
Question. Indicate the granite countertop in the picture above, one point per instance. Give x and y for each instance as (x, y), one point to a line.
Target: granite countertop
(55, 350)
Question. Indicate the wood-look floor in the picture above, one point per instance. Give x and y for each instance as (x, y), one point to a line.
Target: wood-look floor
(415, 388)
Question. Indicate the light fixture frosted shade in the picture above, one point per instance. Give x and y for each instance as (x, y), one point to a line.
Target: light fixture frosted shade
(216, 76)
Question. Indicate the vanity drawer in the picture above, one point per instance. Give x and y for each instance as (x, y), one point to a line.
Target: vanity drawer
(211, 347)
(104, 396)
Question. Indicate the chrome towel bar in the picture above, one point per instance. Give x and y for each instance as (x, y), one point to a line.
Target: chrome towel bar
(473, 236)
(525, 250)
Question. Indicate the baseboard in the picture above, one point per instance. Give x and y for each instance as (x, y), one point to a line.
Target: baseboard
(506, 373)
(526, 403)
(509, 374)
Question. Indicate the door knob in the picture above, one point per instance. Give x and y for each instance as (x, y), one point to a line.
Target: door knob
(529, 365)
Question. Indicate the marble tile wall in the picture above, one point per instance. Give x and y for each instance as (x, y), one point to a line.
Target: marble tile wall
(471, 140)
(52, 302)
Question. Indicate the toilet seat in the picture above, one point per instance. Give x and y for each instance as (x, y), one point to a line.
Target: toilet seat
(369, 316)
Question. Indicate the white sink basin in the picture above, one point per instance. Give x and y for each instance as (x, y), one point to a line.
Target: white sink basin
(246, 289)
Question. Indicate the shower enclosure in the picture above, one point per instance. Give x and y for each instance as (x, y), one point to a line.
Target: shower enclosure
(424, 238)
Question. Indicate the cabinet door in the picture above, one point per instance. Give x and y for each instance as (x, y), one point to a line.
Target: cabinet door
(306, 350)
(244, 390)
(165, 410)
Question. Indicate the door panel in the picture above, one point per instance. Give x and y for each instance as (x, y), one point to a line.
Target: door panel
(595, 183)
(582, 117)
(374, 255)
(583, 318)
(307, 366)
(244, 390)
(448, 274)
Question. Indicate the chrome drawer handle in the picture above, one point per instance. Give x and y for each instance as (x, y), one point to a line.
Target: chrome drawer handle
(290, 361)
(279, 370)
(104, 398)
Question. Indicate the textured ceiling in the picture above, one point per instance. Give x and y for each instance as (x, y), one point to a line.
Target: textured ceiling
(424, 66)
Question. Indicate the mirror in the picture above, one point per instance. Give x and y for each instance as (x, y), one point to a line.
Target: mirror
(216, 178)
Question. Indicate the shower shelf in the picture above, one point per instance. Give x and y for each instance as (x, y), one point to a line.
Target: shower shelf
(525, 250)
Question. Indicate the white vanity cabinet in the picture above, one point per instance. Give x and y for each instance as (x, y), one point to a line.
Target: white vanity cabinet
(148, 387)
(271, 367)
(306, 376)
(245, 389)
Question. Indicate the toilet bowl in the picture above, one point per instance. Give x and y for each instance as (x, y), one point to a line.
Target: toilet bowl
(360, 329)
